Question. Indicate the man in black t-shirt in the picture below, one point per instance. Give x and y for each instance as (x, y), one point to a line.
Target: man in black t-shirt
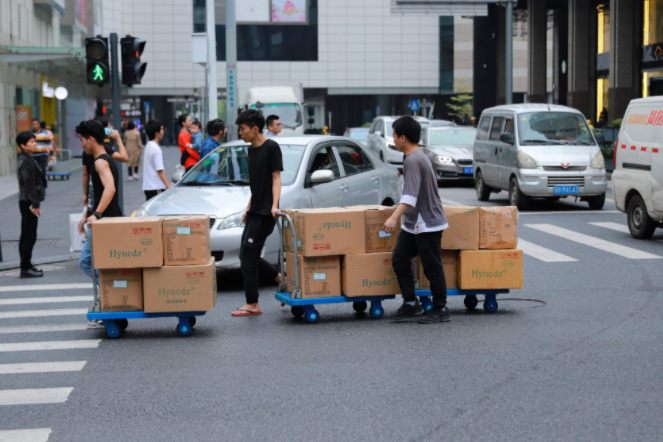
(265, 166)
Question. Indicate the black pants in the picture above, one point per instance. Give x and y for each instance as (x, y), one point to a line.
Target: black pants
(149, 194)
(428, 246)
(256, 231)
(28, 234)
(132, 170)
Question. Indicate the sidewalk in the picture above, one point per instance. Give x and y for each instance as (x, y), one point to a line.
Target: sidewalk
(62, 198)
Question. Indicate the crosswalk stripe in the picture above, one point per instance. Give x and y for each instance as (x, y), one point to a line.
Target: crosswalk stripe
(542, 253)
(50, 345)
(597, 243)
(27, 435)
(42, 313)
(42, 367)
(570, 212)
(34, 396)
(43, 328)
(617, 228)
(45, 300)
(35, 287)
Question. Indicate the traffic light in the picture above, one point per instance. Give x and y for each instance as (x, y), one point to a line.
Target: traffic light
(132, 68)
(96, 57)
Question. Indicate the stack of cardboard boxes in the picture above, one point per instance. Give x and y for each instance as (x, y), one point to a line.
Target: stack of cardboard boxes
(154, 264)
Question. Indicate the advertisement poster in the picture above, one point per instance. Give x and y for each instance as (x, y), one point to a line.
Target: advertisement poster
(23, 118)
(289, 11)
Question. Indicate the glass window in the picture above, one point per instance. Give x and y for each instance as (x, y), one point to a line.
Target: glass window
(354, 160)
(496, 129)
(324, 159)
(553, 128)
(484, 126)
(508, 126)
(452, 137)
(289, 113)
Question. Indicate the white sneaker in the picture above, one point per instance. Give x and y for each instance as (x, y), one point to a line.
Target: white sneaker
(92, 325)
(131, 178)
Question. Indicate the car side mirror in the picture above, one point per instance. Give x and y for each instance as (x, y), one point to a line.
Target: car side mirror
(507, 138)
(378, 133)
(322, 176)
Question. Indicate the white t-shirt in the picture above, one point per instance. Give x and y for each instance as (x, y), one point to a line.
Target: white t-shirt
(152, 163)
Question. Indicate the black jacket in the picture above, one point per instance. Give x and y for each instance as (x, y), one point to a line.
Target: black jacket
(31, 180)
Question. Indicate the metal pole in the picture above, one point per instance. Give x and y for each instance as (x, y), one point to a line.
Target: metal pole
(115, 91)
(509, 52)
(211, 61)
(232, 95)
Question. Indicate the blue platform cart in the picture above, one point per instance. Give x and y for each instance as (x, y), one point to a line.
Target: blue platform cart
(117, 322)
(61, 169)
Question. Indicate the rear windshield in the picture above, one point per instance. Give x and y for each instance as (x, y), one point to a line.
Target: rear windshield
(452, 137)
(553, 128)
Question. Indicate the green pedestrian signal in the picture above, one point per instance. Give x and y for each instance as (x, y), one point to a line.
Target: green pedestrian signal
(98, 73)
(97, 60)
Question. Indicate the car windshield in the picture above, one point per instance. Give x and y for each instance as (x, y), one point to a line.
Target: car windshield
(229, 166)
(358, 134)
(289, 113)
(451, 137)
(553, 128)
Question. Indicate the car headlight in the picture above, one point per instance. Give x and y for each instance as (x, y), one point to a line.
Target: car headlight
(443, 160)
(598, 162)
(139, 213)
(234, 220)
(525, 161)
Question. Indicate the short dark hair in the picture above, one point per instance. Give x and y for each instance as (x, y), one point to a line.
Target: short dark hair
(42, 124)
(103, 120)
(198, 124)
(91, 128)
(152, 128)
(408, 126)
(36, 119)
(131, 125)
(270, 120)
(215, 127)
(181, 119)
(23, 138)
(252, 118)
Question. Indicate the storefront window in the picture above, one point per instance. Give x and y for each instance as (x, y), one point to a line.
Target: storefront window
(652, 22)
(603, 37)
(601, 96)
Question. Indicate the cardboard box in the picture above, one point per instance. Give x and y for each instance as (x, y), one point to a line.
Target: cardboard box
(376, 239)
(121, 290)
(498, 227)
(491, 269)
(369, 274)
(180, 288)
(186, 240)
(326, 232)
(463, 231)
(319, 277)
(449, 266)
(127, 243)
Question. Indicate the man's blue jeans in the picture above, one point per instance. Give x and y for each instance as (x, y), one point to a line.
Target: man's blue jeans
(86, 259)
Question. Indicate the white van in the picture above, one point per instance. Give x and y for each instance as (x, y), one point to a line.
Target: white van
(538, 151)
(637, 180)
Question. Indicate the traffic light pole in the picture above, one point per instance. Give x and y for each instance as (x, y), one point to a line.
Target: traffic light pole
(115, 92)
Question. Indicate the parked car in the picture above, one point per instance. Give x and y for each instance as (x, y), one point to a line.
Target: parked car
(381, 139)
(538, 151)
(637, 180)
(436, 123)
(358, 134)
(450, 150)
(318, 171)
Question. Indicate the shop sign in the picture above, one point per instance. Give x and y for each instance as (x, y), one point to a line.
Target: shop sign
(652, 53)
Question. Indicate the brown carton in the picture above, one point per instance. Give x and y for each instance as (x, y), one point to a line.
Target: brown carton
(121, 290)
(376, 239)
(369, 274)
(319, 277)
(186, 240)
(491, 269)
(327, 232)
(449, 266)
(498, 227)
(124, 243)
(180, 288)
(463, 231)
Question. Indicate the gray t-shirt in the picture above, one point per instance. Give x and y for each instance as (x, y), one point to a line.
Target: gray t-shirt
(420, 191)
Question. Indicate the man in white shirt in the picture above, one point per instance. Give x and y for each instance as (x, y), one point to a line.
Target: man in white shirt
(154, 177)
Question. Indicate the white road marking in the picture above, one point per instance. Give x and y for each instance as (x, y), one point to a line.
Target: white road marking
(17, 272)
(570, 212)
(45, 300)
(452, 202)
(50, 345)
(27, 435)
(42, 367)
(36, 287)
(610, 200)
(542, 253)
(35, 396)
(597, 243)
(618, 228)
(43, 328)
(43, 313)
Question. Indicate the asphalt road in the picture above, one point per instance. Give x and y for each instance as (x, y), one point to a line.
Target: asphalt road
(575, 355)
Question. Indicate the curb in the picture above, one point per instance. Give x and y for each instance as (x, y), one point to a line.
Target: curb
(49, 260)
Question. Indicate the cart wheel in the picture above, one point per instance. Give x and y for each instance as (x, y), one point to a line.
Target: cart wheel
(312, 316)
(122, 324)
(471, 302)
(184, 327)
(192, 321)
(490, 304)
(426, 303)
(112, 330)
(359, 306)
(297, 311)
(376, 310)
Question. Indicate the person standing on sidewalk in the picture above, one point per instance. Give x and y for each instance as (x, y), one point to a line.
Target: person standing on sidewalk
(421, 230)
(31, 185)
(265, 167)
(44, 145)
(154, 177)
(134, 148)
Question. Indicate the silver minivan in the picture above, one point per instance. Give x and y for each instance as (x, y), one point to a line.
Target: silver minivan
(538, 151)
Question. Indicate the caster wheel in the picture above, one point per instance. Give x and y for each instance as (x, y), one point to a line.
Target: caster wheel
(360, 306)
(297, 311)
(490, 305)
(192, 321)
(122, 324)
(312, 316)
(376, 311)
(112, 330)
(471, 302)
(426, 303)
(184, 327)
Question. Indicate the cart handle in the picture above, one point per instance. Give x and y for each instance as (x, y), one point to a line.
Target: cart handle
(297, 292)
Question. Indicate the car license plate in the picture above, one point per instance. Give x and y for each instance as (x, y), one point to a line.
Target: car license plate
(566, 190)
(467, 170)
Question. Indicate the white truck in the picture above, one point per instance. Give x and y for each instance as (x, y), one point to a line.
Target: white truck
(278, 100)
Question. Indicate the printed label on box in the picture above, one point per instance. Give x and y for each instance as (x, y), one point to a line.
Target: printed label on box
(319, 276)
(184, 230)
(120, 284)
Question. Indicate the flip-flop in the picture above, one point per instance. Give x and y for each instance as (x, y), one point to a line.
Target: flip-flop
(243, 312)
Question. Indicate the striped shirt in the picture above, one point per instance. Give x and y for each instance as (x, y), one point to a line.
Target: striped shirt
(44, 143)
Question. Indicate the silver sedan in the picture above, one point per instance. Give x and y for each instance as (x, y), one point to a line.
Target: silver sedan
(450, 150)
(318, 171)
